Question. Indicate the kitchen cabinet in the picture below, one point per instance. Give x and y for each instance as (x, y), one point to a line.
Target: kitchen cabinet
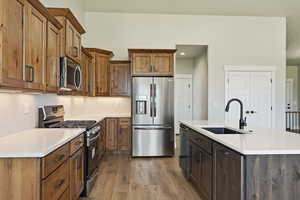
(120, 78)
(53, 54)
(70, 34)
(100, 67)
(35, 51)
(86, 62)
(76, 174)
(118, 135)
(228, 174)
(57, 176)
(152, 62)
(102, 140)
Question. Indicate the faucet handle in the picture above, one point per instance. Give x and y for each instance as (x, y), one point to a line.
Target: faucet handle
(245, 121)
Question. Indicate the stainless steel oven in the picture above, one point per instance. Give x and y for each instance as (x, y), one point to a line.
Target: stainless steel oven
(70, 75)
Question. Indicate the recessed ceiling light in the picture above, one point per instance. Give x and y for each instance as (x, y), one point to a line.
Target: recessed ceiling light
(182, 54)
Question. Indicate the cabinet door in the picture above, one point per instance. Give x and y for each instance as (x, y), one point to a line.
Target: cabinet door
(77, 46)
(73, 43)
(206, 168)
(228, 174)
(119, 79)
(195, 163)
(76, 174)
(124, 136)
(101, 74)
(35, 57)
(111, 134)
(162, 64)
(12, 43)
(53, 53)
(102, 138)
(141, 64)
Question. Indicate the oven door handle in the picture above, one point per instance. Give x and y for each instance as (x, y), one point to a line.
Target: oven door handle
(93, 139)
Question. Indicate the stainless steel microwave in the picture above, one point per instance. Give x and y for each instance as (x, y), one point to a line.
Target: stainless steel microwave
(70, 75)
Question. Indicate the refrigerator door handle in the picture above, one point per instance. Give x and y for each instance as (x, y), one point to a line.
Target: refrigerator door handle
(151, 100)
(154, 100)
(152, 128)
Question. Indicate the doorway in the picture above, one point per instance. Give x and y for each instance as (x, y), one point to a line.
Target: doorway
(191, 83)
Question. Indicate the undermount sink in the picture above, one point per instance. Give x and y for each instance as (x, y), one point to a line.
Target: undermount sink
(222, 131)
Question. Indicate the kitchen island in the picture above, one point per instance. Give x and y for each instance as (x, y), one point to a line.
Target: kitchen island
(260, 165)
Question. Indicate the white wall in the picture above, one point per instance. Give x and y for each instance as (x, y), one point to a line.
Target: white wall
(76, 6)
(231, 40)
(19, 111)
(292, 73)
(184, 66)
(200, 87)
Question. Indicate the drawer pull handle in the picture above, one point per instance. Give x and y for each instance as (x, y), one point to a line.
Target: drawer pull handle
(227, 153)
(78, 143)
(58, 185)
(60, 157)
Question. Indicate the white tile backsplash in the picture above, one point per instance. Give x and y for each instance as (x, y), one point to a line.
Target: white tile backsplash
(20, 111)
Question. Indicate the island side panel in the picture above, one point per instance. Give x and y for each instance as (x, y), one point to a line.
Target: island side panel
(20, 178)
(273, 177)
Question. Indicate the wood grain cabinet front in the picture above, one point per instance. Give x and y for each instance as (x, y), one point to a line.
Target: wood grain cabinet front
(152, 62)
(76, 174)
(120, 82)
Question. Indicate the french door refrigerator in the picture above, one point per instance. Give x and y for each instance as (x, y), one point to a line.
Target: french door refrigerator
(153, 116)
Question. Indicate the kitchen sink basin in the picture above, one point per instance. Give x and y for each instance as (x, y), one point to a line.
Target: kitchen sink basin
(222, 131)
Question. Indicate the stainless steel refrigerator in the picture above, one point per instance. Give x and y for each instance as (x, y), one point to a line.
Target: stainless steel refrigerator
(153, 116)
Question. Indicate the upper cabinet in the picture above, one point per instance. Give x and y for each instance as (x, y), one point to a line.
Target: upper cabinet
(120, 78)
(70, 34)
(100, 71)
(152, 62)
(86, 64)
(23, 33)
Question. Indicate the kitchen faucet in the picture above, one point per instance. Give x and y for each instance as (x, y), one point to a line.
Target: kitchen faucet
(242, 123)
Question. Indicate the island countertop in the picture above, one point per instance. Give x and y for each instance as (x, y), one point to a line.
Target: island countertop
(35, 143)
(259, 142)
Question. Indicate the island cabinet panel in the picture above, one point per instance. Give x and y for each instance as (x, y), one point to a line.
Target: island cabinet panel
(53, 54)
(20, 178)
(152, 62)
(274, 177)
(35, 53)
(120, 82)
(228, 174)
(12, 31)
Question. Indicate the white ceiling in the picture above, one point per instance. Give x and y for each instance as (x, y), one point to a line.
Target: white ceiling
(284, 8)
(190, 51)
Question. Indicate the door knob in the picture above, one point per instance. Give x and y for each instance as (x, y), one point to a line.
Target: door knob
(252, 112)
(247, 112)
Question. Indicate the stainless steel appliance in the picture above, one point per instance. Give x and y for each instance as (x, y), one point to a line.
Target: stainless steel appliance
(70, 75)
(53, 117)
(153, 116)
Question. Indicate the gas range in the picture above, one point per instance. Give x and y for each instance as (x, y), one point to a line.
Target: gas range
(53, 117)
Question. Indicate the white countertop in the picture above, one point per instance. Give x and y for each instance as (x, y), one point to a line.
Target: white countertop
(35, 142)
(98, 118)
(259, 142)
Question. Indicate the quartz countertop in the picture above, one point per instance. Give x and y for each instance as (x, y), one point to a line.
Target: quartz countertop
(99, 117)
(35, 143)
(259, 142)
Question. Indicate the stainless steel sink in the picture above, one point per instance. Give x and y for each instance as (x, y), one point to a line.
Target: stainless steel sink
(222, 131)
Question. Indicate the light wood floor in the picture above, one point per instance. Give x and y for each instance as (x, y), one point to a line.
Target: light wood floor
(125, 178)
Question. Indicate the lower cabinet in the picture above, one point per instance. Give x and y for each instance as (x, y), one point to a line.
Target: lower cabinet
(76, 174)
(228, 174)
(215, 171)
(118, 135)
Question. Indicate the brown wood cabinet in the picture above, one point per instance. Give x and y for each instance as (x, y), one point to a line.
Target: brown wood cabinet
(70, 34)
(76, 174)
(118, 135)
(120, 78)
(57, 176)
(86, 65)
(102, 140)
(100, 67)
(152, 62)
(23, 37)
(53, 54)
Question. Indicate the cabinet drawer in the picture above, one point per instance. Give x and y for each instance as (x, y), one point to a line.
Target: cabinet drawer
(54, 160)
(54, 186)
(202, 141)
(76, 144)
(124, 121)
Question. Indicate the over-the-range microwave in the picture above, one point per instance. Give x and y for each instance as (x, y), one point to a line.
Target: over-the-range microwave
(70, 75)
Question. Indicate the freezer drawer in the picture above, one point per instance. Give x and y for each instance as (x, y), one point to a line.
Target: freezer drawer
(152, 141)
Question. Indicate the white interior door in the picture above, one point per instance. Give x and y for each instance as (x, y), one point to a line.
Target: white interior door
(254, 89)
(289, 95)
(183, 99)
(261, 100)
(238, 84)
